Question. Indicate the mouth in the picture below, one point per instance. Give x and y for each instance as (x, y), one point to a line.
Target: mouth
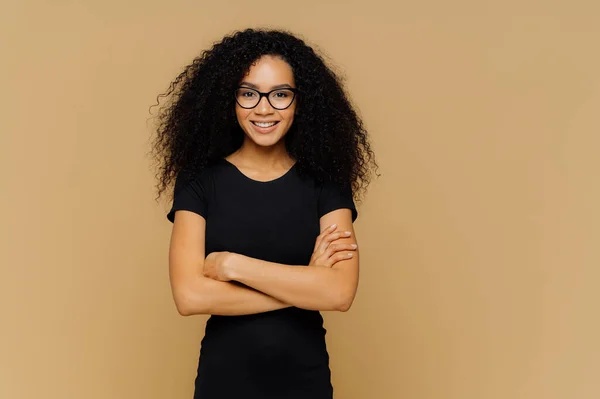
(264, 124)
(264, 127)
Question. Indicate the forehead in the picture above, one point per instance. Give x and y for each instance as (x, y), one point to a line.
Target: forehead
(269, 71)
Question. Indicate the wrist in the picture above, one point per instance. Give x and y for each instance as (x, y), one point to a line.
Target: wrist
(230, 265)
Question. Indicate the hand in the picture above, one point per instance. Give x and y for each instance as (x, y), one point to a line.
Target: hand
(215, 266)
(328, 254)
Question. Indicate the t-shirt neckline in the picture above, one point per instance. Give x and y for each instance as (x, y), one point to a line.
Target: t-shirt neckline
(288, 172)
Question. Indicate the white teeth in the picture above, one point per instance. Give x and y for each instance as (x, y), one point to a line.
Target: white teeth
(264, 124)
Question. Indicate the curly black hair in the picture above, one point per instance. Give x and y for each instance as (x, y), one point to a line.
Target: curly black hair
(198, 125)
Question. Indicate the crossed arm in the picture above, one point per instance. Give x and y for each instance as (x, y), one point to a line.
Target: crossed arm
(206, 285)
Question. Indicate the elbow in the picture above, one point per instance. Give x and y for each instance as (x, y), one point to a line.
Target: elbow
(343, 295)
(343, 306)
(188, 304)
(344, 302)
(182, 305)
(183, 309)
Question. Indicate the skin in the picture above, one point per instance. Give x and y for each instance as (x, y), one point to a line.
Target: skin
(203, 285)
(263, 157)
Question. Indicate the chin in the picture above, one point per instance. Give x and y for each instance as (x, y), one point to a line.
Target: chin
(266, 141)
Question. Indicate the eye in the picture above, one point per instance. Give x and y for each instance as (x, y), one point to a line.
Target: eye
(246, 93)
(281, 94)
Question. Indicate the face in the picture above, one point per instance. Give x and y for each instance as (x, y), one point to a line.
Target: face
(264, 125)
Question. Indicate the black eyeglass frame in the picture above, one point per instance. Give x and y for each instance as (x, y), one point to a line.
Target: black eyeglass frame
(261, 95)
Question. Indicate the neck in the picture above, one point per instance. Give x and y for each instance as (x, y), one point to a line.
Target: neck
(266, 157)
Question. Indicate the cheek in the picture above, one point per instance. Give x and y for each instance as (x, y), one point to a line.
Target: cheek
(241, 113)
(289, 116)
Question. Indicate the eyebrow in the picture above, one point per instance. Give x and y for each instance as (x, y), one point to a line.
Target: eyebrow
(281, 86)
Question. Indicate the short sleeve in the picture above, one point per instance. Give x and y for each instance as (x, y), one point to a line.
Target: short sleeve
(333, 197)
(188, 195)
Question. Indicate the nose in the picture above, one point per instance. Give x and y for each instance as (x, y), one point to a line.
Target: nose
(263, 107)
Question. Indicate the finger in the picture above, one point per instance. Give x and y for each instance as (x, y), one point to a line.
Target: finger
(333, 237)
(337, 250)
(344, 247)
(323, 234)
(329, 229)
(334, 248)
(319, 243)
(340, 256)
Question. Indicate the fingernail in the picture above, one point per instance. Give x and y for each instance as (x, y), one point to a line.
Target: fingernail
(347, 233)
(354, 246)
(333, 226)
(350, 255)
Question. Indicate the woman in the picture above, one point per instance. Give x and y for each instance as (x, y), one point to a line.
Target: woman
(267, 156)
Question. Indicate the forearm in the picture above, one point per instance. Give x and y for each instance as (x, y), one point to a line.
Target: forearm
(207, 296)
(307, 287)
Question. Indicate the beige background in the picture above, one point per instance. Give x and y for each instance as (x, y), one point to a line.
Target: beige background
(480, 242)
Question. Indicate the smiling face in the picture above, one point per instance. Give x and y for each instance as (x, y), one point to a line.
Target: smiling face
(264, 125)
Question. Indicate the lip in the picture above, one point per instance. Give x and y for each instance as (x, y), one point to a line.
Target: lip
(264, 130)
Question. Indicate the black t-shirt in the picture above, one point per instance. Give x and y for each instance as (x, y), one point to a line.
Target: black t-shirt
(276, 221)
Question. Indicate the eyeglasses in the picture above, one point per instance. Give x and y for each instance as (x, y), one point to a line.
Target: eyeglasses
(279, 98)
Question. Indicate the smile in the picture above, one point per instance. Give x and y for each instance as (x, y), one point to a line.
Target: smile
(265, 124)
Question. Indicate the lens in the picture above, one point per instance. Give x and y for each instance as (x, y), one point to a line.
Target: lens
(247, 98)
(281, 98)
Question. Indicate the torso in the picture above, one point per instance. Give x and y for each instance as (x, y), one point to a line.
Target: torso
(277, 221)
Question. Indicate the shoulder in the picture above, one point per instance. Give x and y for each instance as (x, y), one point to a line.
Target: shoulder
(334, 196)
(193, 189)
(198, 176)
